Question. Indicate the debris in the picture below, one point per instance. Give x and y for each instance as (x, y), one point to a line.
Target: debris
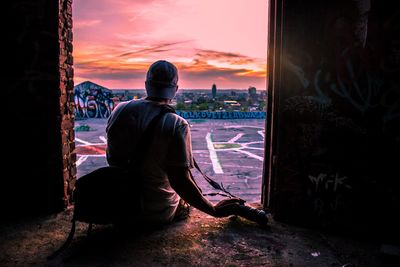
(315, 254)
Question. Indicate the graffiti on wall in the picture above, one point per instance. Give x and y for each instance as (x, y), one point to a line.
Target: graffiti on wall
(324, 191)
(92, 101)
(351, 70)
(221, 115)
(339, 109)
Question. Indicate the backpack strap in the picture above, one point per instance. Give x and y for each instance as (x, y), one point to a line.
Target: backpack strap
(147, 137)
(213, 183)
(66, 243)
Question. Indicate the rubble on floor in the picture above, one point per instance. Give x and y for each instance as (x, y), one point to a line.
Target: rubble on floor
(200, 240)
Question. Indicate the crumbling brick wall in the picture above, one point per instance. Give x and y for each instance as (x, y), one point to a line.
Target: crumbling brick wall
(67, 96)
(38, 105)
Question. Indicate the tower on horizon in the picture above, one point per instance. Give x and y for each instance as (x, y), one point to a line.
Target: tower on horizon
(252, 96)
(214, 91)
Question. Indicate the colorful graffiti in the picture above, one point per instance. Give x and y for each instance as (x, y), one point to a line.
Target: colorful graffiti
(224, 115)
(95, 101)
(92, 101)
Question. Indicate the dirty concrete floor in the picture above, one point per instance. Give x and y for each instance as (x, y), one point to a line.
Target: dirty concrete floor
(199, 240)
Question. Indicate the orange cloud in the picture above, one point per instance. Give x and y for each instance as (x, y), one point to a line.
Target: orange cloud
(116, 41)
(204, 68)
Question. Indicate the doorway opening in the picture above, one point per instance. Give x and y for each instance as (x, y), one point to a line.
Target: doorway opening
(220, 49)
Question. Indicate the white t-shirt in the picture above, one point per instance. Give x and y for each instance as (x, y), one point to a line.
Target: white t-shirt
(171, 146)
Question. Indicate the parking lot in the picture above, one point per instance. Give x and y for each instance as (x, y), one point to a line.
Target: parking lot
(229, 151)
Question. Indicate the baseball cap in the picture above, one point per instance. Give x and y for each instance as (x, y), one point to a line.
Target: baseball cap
(162, 80)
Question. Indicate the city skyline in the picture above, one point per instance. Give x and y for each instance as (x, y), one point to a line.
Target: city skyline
(179, 90)
(116, 41)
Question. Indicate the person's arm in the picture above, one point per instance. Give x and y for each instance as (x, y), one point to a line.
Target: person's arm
(181, 181)
(179, 160)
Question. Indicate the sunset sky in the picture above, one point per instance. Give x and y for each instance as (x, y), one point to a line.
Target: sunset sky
(210, 41)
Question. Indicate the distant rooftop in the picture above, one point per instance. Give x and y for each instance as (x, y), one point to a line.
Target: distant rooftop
(88, 85)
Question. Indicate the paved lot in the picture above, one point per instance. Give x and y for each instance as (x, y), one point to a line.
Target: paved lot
(229, 151)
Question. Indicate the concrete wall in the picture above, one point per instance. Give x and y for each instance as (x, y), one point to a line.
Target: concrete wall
(39, 138)
(338, 115)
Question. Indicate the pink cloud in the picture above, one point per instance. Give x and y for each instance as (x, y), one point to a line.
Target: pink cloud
(86, 23)
(116, 40)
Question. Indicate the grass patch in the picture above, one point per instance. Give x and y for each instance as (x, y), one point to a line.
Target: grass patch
(84, 128)
(225, 146)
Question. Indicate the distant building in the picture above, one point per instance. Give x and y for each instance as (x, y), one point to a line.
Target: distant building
(253, 98)
(214, 91)
(128, 94)
(93, 100)
(90, 88)
(263, 95)
(252, 91)
(231, 103)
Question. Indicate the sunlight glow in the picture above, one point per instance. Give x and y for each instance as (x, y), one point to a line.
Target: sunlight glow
(210, 41)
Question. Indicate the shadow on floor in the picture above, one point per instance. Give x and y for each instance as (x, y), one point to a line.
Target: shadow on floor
(198, 241)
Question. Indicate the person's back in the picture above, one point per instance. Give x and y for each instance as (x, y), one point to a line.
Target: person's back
(170, 147)
(168, 159)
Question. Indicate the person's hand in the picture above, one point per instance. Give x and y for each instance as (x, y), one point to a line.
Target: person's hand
(227, 207)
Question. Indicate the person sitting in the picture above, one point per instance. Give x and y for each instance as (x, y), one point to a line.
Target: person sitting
(168, 185)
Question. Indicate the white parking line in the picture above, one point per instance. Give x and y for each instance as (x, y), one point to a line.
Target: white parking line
(200, 151)
(102, 138)
(93, 156)
(243, 126)
(213, 155)
(250, 143)
(82, 141)
(242, 166)
(261, 133)
(203, 162)
(81, 160)
(250, 154)
(246, 145)
(237, 137)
